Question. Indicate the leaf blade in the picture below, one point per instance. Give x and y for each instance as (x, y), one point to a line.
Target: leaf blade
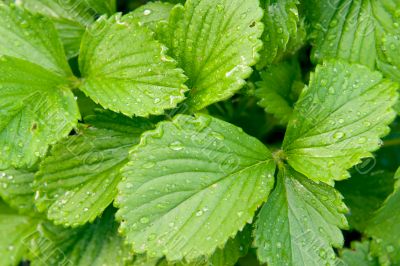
(161, 217)
(334, 126)
(138, 79)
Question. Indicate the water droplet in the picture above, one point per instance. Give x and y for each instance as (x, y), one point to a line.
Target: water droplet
(176, 146)
(331, 90)
(146, 12)
(239, 213)
(279, 245)
(85, 209)
(338, 135)
(199, 213)
(157, 100)
(341, 121)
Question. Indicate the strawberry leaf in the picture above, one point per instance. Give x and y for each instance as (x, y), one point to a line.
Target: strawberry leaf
(138, 79)
(338, 120)
(186, 178)
(300, 222)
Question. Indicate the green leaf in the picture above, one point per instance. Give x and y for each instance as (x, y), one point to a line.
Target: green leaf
(77, 182)
(137, 78)
(216, 42)
(31, 38)
(234, 249)
(16, 189)
(279, 89)
(354, 30)
(384, 228)
(15, 229)
(359, 255)
(371, 182)
(300, 222)
(390, 59)
(364, 193)
(70, 17)
(284, 32)
(152, 13)
(109, 120)
(95, 244)
(37, 109)
(338, 120)
(186, 178)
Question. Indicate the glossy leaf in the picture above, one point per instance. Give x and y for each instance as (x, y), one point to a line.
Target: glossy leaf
(70, 17)
(300, 222)
(338, 120)
(186, 178)
(16, 189)
(77, 182)
(15, 231)
(94, 244)
(284, 30)
(215, 43)
(31, 38)
(138, 79)
(45, 112)
(152, 13)
(356, 31)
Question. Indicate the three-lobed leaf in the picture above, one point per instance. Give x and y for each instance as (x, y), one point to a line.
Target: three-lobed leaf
(138, 78)
(184, 180)
(338, 120)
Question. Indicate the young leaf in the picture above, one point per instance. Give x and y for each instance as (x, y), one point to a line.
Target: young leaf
(95, 244)
(152, 13)
(31, 38)
(37, 109)
(384, 228)
(137, 78)
(216, 43)
(70, 17)
(186, 178)
(16, 189)
(300, 222)
(284, 30)
(353, 30)
(77, 182)
(279, 88)
(359, 255)
(338, 120)
(14, 231)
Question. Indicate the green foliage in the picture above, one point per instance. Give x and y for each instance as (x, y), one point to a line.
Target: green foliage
(199, 132)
